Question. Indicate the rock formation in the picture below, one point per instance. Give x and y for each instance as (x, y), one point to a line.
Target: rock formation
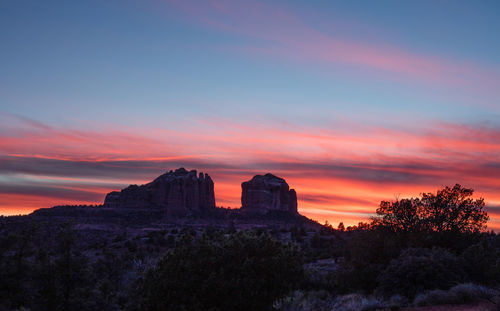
(265, 193)
(179, 193)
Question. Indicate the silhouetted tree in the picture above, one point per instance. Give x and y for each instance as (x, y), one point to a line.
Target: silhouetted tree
(450, 210)
(341, 227)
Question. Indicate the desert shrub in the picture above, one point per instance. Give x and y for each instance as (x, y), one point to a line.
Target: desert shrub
(242, 271)
(420, 269)
(482, 263)
(459, 294)
(396, 302)
(366, 255)
(323, 301)
(305, 301)
(469, 292)
(356, 302)
(356, 278)
(315, 280)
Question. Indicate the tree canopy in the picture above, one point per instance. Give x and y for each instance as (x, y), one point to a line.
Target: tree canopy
(449, 210)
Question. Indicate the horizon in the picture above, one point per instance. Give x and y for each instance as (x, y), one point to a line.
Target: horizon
(351, 104)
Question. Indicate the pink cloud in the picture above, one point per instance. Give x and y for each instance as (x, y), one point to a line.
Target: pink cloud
(277, 31)
(349, 170)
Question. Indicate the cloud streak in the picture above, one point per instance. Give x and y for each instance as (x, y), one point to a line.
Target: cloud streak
(345, 171)
(273, 30)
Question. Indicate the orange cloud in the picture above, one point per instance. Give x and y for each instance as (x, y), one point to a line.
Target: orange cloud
(340, 175)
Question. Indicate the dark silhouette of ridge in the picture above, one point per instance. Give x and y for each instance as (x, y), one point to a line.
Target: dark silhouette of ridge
(178, 193)
(182, 196)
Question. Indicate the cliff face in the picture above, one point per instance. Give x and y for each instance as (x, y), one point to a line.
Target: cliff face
(179, 193)
(265, 193)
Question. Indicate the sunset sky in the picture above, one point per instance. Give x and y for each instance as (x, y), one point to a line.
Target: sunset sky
(351, 102)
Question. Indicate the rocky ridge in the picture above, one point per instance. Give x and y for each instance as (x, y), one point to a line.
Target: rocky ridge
(178, 193)
(185, 198)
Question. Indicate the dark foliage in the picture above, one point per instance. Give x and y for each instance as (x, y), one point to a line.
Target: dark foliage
(419, 269)
(451, 210)
(418, 244)
(127, 260)
(242, 271)
(482, 261)
(43, 274)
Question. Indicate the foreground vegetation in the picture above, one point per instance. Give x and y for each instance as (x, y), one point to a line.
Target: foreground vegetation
(414, 252)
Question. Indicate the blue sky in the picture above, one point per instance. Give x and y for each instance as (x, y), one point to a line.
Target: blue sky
(96, 59)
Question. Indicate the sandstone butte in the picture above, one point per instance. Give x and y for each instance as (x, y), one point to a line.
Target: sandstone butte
(183, 192)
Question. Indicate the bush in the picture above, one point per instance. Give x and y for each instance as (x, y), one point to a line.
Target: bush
(241, 271)
(459, 294)
(322, 301)
(356, 278)
(420, 269)
(482, 264)
(356, 302)
(305, 301)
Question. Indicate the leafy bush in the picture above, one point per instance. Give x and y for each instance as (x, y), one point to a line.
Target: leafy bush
(322, 301)
(305, 301)
(482, 263)
(420, 269)
(242, 271)
(357, 278)
(459, 294)
(356, 302)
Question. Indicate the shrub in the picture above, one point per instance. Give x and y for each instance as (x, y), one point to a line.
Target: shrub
(459, 294)
(322, 301)
(356, 278)
(420, 269)
(241, 271)
(482, 264)
(305, 301)
(356, 302)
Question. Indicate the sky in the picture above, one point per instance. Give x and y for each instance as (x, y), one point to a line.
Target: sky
(352, 102)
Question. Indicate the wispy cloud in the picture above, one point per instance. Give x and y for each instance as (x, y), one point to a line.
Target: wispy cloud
(274, 30)
(346, 170)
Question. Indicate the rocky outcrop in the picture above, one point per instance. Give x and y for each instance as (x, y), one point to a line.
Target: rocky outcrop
(180, 193)
(265, 193)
